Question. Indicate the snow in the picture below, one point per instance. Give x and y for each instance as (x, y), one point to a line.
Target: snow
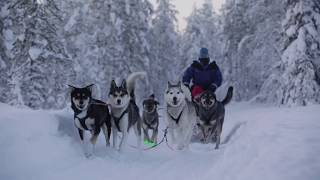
(72, 20)
(258, 142)
(34, 52)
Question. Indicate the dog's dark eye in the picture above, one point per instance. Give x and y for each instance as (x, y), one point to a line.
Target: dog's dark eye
(178, 92)
(171, 92)
(167, 92)
(121, 95)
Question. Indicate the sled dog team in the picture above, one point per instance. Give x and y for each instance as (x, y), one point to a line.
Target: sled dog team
(121, 114)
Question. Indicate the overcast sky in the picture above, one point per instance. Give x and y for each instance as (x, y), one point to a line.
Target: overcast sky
(185, 7)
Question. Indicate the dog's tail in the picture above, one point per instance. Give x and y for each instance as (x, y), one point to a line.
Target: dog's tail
(132, 79)
(228, 98)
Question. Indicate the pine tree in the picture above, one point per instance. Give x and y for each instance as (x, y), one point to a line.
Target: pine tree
(3, 65)
(39, 64)
(295, 80)
(202, 31)
(132, 23)
(90, 36)
(235, 29)
(164, 50)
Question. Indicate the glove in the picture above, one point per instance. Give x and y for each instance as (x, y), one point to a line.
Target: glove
(213, 87)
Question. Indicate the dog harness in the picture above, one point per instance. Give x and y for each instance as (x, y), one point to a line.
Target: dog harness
(149, 125)
(82, 121)
(117, 119)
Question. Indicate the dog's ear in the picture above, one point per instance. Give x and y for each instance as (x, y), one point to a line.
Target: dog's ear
(124, 84)
(169, 84)
(179, 84)
(113, 85)
(151, 96)
(72, 88)
(90, 87)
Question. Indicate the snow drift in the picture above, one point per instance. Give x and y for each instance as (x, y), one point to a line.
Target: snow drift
(257, 143)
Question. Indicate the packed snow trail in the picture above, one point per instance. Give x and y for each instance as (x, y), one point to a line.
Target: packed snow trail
(257, 143)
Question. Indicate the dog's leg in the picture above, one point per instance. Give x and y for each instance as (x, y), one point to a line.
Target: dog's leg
(138, 135)
(95, 133)
(146, 134)
(106, 134)
(217, 142)
(81, 135)
(188, 137)
(123, 140)
(181, 138)
(84, 146)
(172, 135)
(218, 134)
(124, 123)
(154, 136)
(114, 137)
(191, 126)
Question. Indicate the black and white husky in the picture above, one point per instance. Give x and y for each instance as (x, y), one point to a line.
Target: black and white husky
(150, 119)
(211, 115)
(180, 114)
(90, 114)
(124, 111)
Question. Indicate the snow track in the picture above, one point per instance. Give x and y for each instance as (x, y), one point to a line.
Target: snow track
(257, 143)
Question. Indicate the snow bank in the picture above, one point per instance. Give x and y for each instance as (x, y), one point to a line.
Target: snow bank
(257, 143)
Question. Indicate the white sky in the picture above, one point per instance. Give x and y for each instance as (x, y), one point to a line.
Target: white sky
(185, 7)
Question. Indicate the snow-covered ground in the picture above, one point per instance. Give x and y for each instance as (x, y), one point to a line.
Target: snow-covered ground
(258, 143)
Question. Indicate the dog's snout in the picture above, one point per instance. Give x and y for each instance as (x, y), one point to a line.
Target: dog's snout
(81, 102)
(175, 98)
(119, 101)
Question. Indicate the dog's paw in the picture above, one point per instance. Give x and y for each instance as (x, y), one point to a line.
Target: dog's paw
(180, 147)
(93, 139)
(107, 144)
(88, 155)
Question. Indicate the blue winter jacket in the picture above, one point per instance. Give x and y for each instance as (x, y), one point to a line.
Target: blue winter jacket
(208, 77)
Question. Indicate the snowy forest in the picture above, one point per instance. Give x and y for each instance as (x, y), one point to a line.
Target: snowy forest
(269, 50)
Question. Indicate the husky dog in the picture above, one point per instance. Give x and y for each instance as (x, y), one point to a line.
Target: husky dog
(211, 115)
(150, 119)
(180, 114)
(124, 111)
(90, 114)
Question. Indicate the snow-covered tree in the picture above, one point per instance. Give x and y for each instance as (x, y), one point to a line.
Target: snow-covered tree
(252, 43)
(38, 66)
(164, 47)
(235, 29)
(132, 24)
(295, 80)
(203, 28)
(89, 36)
(3, 64)
(106, 39)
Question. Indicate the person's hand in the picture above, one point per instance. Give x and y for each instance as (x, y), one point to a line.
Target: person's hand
(213, 87)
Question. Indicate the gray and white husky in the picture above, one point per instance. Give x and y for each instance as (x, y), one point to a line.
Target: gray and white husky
(124, 111)
(211, 116)
(180, 114)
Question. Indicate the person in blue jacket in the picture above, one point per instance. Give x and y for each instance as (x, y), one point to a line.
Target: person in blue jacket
(205, 75)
